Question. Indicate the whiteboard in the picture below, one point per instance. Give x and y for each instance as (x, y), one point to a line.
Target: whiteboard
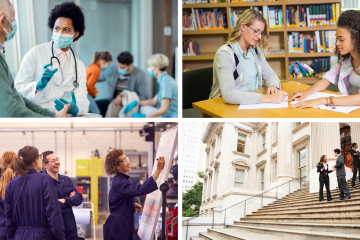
(167, 145)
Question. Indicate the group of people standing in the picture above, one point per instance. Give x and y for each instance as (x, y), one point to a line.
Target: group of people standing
(36, 201)
(324, 170)
(34, 205)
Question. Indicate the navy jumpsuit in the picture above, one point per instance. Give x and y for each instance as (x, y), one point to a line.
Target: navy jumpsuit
(64, 186)
(120, 224)
(32, 208)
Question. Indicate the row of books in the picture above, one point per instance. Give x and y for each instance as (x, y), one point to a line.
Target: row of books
(272, 15)
(200, 1)
(320, 67)
(322, 41)
(203, 19)
(190, 48)
(313, 15)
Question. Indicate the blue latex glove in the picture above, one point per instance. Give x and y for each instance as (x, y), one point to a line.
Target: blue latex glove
(73, 110)
(46, 76)
(130, 106)
(138, 115)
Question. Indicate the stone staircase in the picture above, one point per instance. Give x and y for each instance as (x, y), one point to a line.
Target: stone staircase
(298, 215)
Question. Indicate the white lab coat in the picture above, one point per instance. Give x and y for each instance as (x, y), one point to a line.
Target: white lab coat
(30, 73)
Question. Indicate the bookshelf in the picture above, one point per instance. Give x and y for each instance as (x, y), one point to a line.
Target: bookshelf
(211, 40)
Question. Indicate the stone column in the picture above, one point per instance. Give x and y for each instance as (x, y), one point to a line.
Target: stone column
(325, 137)
(284, 154)
(355, 133)
(204, 190)
(208, 194)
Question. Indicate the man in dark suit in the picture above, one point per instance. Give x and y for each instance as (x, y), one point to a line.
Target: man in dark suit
(341, 176)
(356, 162)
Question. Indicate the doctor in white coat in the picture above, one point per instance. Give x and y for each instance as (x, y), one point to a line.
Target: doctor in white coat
(50, 72)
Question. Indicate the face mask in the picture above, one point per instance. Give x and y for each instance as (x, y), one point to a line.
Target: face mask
(150, 71)
(103, 68)
(11, 35)
(62, 40)
(122, 72)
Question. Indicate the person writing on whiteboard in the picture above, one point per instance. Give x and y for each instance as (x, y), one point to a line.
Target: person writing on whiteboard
(345, 73)
(240, 66)
(120, 223)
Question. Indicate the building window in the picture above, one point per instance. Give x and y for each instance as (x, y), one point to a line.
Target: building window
(262, 179)
(302, 165)
(239, 178)
(241, 143)
(264, 142)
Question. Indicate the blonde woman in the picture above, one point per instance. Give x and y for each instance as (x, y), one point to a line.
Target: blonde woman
(165, 102)
(240, 65)
(7, 165)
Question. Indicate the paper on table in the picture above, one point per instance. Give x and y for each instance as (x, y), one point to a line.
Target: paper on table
(342, 109)
(264, 105)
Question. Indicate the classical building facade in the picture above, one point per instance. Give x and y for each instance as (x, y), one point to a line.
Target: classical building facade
(245, 159)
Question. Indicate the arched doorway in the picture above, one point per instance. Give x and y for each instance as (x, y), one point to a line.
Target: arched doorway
(345, 138)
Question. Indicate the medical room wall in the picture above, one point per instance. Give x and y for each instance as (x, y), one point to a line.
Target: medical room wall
(78, 144)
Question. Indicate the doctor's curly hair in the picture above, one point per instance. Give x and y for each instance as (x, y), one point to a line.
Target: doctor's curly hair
(350, 20)
(68, 10)
(112, 161)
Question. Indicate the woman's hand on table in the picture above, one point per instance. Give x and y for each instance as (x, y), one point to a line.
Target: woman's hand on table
(310, 103)
(272, 90)
(298, 96)
(277, 97)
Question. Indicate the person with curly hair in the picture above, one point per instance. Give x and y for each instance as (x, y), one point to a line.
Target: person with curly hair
(345, 73)
(50, 72)
(120, 223)
(7, 165)
(32, 208)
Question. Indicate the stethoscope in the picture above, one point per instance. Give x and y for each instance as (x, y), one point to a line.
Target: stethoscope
(75, 83)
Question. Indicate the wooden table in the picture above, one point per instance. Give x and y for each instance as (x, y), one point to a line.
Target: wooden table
(217, 108)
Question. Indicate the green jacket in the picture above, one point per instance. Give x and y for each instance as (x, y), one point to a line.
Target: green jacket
(12, 104)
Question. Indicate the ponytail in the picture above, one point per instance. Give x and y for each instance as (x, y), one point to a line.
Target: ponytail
(26, 157)
(7, 164)
(8, 175)
(95, 57)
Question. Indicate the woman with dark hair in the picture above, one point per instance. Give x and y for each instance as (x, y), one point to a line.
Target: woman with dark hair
(120, 223)
(324, 171)
(31, 205)
(93, 73)
(345, 73)
(356, 162)
(7, 165)
(50, 72)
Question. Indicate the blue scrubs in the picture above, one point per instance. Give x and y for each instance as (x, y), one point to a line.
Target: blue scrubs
(64, 186)
(32, 208)
(120, 223)
(168, 89)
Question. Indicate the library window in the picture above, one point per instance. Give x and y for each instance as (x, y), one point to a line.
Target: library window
(241, 143)
(239, 178)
